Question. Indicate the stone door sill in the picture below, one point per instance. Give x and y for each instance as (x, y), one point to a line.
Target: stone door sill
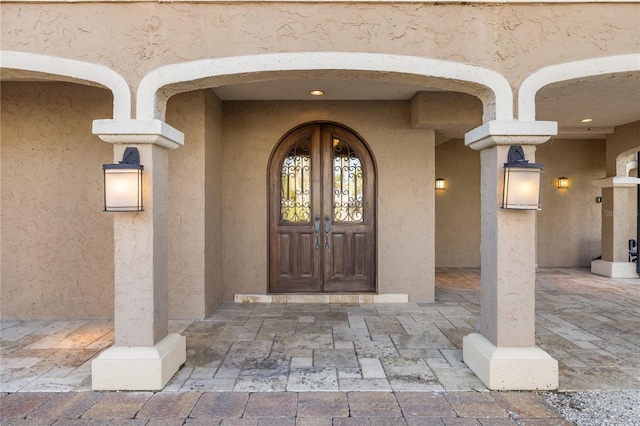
(321, 298)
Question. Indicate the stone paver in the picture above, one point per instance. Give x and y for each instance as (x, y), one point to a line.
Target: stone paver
(272, 404)
(321, 404)
(116, 405)
(374, 404)
(392, 364)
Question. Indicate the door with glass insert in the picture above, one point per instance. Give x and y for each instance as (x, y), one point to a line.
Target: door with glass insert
(322, 212)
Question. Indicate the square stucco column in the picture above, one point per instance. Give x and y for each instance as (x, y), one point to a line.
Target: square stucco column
(616, 215)
(144, 356)
(504, 355)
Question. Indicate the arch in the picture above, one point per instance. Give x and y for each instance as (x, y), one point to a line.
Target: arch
(157, 86)
(569, 71)
(63, 69)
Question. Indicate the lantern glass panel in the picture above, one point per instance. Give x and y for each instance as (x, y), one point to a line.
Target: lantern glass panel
(521, 188)
(123, 189)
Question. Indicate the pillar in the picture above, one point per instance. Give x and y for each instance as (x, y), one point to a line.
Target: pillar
(503, 355)
(616, 232)
(145, 355)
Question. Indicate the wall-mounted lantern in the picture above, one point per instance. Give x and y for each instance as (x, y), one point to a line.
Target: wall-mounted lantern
(563, 182)
(521, 182)
(441, 183)
(123, 183)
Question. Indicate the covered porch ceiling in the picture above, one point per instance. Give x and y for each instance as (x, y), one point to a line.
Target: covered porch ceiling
(609, 100)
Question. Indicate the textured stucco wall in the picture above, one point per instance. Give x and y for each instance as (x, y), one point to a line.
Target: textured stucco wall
(405, 166)
(458, 206)
(135, 38)
(568, 226)
(57, 244)
(187, 207)
(213, 202)
(624, 139)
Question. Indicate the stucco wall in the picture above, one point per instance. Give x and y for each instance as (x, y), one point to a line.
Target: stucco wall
(458, 206)
(134, 38)
(624, 139)
(187, 207)
(405, 167)
(57, 244)
(569, 224)
(213, 202)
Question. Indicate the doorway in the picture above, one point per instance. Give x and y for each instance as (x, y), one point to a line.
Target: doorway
(322, 212)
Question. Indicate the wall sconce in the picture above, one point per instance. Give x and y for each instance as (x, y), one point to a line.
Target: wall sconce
(521, 182)
(123, 183)
(441, 183)
(563, 182)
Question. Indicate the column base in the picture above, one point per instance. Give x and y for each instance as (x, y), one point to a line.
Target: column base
(139, 368)
(504, 368)
(614, 269)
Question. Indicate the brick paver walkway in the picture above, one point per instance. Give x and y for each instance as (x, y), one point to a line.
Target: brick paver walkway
(277, 408)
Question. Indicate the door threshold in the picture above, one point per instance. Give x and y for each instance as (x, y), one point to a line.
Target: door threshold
(362, 298)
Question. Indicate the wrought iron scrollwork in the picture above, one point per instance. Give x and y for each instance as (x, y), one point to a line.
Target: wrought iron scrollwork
(295, 186)
(348, 183)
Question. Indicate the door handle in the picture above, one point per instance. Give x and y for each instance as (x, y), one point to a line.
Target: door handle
(327, 225)
(316, 229)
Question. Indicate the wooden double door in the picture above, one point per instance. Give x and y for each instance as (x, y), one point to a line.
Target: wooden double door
(322, 218)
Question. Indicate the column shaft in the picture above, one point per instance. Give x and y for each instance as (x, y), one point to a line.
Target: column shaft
(141, 256)
(507, 258)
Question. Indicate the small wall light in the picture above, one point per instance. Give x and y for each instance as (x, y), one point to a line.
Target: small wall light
(123, 183)
(563, 182)
(441, 183)
(521, 182)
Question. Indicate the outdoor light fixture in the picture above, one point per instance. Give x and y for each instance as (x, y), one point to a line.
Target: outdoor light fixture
(316, 93)
(521, 182)
(123, 183)
(441, 183)
(563, 182)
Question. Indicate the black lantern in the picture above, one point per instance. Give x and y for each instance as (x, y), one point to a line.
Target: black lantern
(521, 182)
(123, 183)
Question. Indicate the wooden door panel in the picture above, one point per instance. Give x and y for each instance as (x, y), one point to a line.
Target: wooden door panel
(359, 255)
(305, 255)
(284, 248)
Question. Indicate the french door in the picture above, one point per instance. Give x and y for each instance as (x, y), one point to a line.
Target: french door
(322, 212)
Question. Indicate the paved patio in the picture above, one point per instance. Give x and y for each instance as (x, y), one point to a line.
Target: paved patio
(384, 364)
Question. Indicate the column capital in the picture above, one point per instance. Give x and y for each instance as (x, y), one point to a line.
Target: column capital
(617, 182)
(494, 133)
(154, 132)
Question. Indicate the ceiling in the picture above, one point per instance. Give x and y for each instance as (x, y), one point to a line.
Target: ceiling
(609, 100)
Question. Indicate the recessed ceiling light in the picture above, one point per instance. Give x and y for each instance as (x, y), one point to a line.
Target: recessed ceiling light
(316, 92)
(586, 120)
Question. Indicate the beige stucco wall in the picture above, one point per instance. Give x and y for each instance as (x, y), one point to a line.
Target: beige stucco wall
(568, 226)
(57, 244)
(624, 139)
(405, 167)
(134, 38)
(187, 207)
(195, 206)
(458, 206)
(213, 249)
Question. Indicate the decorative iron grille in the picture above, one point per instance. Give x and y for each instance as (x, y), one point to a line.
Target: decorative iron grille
(295, 186)
(348, 189)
